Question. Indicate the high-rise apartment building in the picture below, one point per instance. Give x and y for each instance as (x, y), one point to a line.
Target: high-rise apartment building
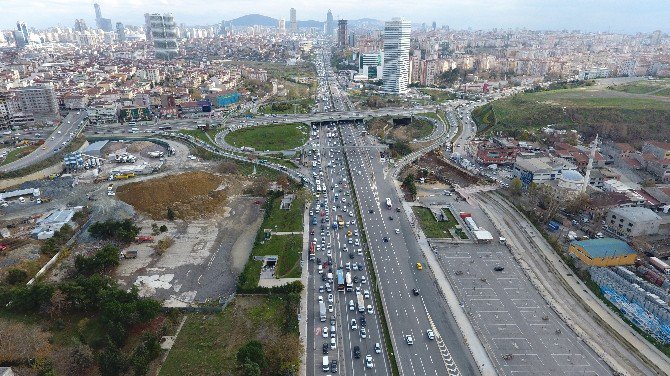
(294, 21)
(342, 36)
(102, 23)
(6, 108)
(37, 99)
(80, 25)
(281, 24)
(329, 23)
(120, 32)
(161, 32)
(396, 56)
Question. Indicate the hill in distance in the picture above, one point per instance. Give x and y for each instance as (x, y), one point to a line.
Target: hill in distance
(261, 20)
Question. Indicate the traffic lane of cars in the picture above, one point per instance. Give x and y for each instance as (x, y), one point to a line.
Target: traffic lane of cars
(406, 312)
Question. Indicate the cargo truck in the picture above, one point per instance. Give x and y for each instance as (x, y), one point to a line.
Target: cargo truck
(361, 302)
(349, 284)
(340, 221)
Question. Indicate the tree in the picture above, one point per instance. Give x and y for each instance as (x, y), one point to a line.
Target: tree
(252, 352)
(163, 228)
(102, 261)
(577, 203)
(251, 369)
(516, 186)
(16, 276)
(111, 360)
(410, 184)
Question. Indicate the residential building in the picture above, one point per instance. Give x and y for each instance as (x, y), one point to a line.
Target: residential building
(37, 99)
(80, 25)
(342, 35)
(540, 170)
(655, 158)
(632, 221)
(161, 32)
(497, 151)
(120, 32)
(7, 108)
(396, 56)
(603, 252)
(293, 21)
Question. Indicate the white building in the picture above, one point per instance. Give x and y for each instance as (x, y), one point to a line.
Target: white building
(633, 221)
(37, 99)
(396, 56)
(541, 169)
(371, 65)
(161, 32)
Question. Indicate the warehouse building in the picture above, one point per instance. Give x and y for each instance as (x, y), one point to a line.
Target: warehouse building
(603, 252)
(633, 221)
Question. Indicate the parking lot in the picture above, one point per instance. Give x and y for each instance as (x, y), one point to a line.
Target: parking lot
(521, 333)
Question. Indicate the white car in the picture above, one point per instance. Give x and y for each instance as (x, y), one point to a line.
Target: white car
(397, 231)
(430, 334)
(368, 361)
(364, 333)
(370, 310)
(325, 332)
(364, 280)
(408, 338)
(330, 308)
(330, 298)
(366, 294)
(354, 325)
(320, 298)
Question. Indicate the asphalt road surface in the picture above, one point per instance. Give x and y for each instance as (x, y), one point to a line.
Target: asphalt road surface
(63, 135)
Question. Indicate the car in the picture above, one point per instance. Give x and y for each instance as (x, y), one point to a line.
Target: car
(390, 218)
(330, 308)
(351, 256)
(362, 321)
(322, 289)
(330, 298)
(409, 339)
(354, 324)
(325, 332)
(430, 334)
(419, 266)
(378, 348)
(325, 348)
(320, 298)
(351, 305)
(386, 239)
(364, 280)
(499, 268)
(364, 333)
(333, 366)
(415, 292)
(366, 294)
(357, 352)
(368, 361)
(370, 211)
(370, 310)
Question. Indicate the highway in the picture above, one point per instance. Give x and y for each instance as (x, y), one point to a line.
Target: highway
(72, 124)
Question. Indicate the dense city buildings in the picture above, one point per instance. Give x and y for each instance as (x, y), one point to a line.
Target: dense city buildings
(161, 32)
(396, 56)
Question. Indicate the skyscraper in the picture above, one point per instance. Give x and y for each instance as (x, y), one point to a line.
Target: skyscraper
(102, 23)
(342, 36)
(161, 32)
(329, 23)
(294, 21)
(281, 24)
(120, 32)
(21, 36)
(80, 25)
(396, 56)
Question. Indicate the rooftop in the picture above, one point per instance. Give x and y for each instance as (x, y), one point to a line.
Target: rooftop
(636, 214)
(607, 247)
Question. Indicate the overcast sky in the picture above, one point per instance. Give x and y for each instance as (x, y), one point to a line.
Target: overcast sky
(590, 15)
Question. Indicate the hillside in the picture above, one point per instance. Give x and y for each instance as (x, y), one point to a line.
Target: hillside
(614, 114)
(254, 19)
(261, 20)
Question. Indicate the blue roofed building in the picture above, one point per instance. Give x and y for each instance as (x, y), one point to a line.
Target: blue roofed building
(603, 252)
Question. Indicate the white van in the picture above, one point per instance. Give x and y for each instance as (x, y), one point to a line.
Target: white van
(326, 364)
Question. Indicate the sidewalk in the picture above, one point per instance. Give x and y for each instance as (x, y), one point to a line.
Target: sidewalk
(467, 330)
(302, 321)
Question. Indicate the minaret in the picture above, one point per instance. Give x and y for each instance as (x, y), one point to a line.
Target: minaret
(587, 176)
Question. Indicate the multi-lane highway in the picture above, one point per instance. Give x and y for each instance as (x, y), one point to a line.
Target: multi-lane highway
(72, 124)
(396, 258)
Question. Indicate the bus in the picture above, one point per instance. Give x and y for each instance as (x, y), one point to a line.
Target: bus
(388, 203)
(340, 280)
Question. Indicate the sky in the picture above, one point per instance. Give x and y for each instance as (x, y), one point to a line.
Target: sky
(627, 16)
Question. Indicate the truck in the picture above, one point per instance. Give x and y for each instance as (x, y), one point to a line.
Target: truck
(340, 280)
(361, 302)
(388, 203)
(312, 252)
(660, 265)
(349, 284)
(322, 311)
(340, 221)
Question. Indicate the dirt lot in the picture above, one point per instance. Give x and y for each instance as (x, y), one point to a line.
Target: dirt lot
(191, 195)
(441, 170)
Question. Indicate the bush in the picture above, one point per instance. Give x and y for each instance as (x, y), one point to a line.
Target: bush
(103, 260)
(16, 276)
(163, 228)
(122, 231)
